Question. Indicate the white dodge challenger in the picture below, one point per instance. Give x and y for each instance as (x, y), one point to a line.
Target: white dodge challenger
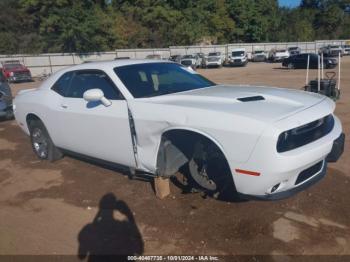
(161, 117)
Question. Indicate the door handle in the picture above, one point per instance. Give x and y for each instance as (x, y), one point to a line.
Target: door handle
(64, 106)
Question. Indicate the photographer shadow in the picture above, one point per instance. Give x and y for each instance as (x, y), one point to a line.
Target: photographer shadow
(113, 234)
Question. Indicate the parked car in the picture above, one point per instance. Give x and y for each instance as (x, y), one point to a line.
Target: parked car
(331, 50)
(201, 58)
(277, 55)
(191, 60)
(300, 61)
(122, 57)
(15, 71)
(175, 58)
(155, 117)
(259, 56)
(214, 59)
(294, 50)
(5, 98)
(154, 57)
(346, 49)
(238, 57)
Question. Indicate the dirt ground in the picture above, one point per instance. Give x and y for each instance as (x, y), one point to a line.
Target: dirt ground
(62, 207)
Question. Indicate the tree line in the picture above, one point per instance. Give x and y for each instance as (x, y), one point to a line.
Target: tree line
(42, 26)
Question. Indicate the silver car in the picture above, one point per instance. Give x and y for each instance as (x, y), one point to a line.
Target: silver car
(5, 99)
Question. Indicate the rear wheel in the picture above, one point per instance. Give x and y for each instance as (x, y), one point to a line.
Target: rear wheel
(42, 144)
(210, 173)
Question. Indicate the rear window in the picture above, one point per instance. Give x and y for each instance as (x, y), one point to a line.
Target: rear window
(11, 66)
(214, 54)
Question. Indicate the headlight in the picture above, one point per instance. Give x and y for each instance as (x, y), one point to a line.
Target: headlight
(305, 134)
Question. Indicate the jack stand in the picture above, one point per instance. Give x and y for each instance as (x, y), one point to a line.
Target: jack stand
(162, 187)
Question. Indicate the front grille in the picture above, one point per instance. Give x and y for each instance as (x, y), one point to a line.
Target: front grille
(237, 60)
(305, 134)
(309, 172)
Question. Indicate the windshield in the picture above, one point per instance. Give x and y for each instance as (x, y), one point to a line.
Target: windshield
(154, 79)
(293, 48)
(214, 54)
(188, 57)
(258, 52)
(238, 53)
(335, 46)
(280, 51)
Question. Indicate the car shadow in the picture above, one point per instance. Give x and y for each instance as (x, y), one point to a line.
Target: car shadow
(112, 235)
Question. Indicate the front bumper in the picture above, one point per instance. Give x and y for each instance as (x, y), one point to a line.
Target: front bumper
(313, 178)
(212, 64)
(284, 168)
(237, 62)
(288, 193)
(337, 149)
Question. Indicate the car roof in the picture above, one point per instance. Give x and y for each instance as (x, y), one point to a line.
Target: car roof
(113, 64)
(99, 65)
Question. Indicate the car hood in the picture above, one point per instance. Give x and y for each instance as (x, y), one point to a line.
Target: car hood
(277, 103)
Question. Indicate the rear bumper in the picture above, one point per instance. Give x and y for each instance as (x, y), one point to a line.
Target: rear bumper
(20, 78)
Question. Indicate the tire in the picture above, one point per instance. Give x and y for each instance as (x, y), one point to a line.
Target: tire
(210, 173)
(291, 66)
(42, 144)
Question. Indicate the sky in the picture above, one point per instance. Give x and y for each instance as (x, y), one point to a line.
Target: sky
(289, 3)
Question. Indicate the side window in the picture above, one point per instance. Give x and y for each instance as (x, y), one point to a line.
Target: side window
(62, 84)
(90, 79)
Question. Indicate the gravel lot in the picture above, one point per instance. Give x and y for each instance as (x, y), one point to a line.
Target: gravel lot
(53, 208)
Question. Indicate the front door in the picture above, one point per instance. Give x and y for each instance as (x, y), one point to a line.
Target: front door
(92, 129)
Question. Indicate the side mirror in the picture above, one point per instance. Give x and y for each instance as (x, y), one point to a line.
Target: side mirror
(95, 95)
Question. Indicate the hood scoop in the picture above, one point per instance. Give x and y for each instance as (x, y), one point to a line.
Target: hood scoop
(251, 98)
